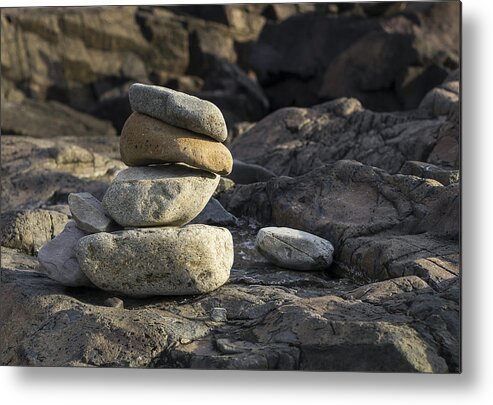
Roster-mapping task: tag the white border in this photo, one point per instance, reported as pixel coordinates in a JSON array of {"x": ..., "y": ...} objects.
[{"x": 474, "y": 386}]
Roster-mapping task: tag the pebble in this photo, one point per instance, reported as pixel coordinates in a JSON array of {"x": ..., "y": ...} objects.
[{"x": 293, "y": 249}]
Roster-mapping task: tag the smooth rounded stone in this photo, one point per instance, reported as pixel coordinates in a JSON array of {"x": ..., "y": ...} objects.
[
  {"x": 58, "y": 260},
  {"x": 88, "y": 213},
  {"x": 158, "y": 261},
  {"x": 146, "y": 140},
  {"x": 159, "y": 195},
  {"x": 179, "y": 109},
  {"x": 294, "y": 249}
]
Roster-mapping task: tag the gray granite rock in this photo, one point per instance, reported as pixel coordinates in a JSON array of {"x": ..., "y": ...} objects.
[
  {"x": 29, "y": 229},
  {"x": 159, "y": 195},
  {"x": 158, "y": 261},
  {"x": 179, "y": 109},
  {"x": 58, "y": 260},
  {"x": 247, "y": 173},
  {"x": 88, "y": 213},
  {"x": 294, "y": 249},
  {"x": 215, "y": 214}
]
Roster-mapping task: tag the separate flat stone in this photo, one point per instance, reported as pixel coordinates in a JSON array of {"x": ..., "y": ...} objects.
[
  {"x": 179, "y": 109},
  {"x": 58, "y": 260},
  {"x": 158, "y": 261},
  {"x": 88, "y": 213},
  {"x": 294, "y": 249},
  {"x": 159, "y": 195},
  {"x": 146, "y": 140}
]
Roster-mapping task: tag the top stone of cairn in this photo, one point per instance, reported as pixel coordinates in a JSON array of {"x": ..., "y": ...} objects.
[{"x": 179, "y": 109}]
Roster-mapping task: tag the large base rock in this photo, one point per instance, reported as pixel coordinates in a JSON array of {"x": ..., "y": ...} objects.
[
  {"x": 161, "y": 195},
  {"x": 158, "y": 261}
]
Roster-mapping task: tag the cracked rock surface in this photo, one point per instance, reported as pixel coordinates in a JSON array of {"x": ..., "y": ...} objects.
[{"x": 381, "y": 187}]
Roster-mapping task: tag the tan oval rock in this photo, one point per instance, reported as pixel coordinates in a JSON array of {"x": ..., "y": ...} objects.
[
  {"x": 146, "y": 140},
  {"x": 143, "y": 262}
]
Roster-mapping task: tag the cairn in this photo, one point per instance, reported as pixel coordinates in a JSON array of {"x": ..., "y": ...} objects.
[{"x": 137, "y": 241}]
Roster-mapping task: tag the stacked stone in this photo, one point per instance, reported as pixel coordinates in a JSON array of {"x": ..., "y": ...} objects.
[{"x": 173, "y": 145}]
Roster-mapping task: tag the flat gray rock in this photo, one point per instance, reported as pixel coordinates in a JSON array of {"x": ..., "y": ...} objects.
[
  {"x": 88, "y": 213},
  {"x": 58, "y": 260},
  {"x": 294, "y": 249},
  {"x": 158, "y": 261},
  {"x": 215, "y": 214},
  {"x": 179, "y": 109},
  {"x": 159, "y": 195}
]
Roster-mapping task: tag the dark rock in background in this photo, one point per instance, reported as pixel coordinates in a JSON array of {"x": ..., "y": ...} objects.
[{"x": 249, "y": 59}]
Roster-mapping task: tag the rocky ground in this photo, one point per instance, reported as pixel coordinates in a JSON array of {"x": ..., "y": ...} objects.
[{"x": 375, "y": 172}]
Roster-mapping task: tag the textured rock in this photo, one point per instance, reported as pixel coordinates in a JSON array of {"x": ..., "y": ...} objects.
[
  {"x": 215, "y": 214},
  {"x": 58, "y": 260},
  {"x": 276, "y": 319},
  {"x": 159, "y": 195},
  {"x": 294, "y": 249},
  {"x": 293, "y": 141},
  {"x": 146, "y": 140},
  {"x": 413, "y": 227},
  {"x": 50, "y": 119},
  {"x": 159, "y": 261},
  {"x": 28, "y": 230},
  {"x": 45, "y": 171},
  {"x": 179, "y": 109},
  {"x": 88, "y": 213},
  {"x": 353, "y": 56},
  {"x": 246, "y": 173},
  {"x": 429, "y": 171}
]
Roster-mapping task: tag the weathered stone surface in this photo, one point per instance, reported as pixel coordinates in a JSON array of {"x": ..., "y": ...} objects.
[
  {"x": 28, "y": 230},
  {"x": 215, "y": 214},
  {"x": 353, "y": 56},
  {"x": 58, "y": 260},
  {"x": 444, "y": 99},
  {"x": 429, "y": 171},
  {"x": 246, "y": 173},
  {"x": 293, "y": 141},
  {"x": 294, "y": 249},
  {"x": 285, "y": 320},
  {"x": 50, "y": 119},
  {"x": 146, "y": 140},
  {"x": 159, "y": 195},
  {"x": 88, "y": 213},
  {"x": 179, "y": 109},
  {"x": 412, "y": 228},
  {"x": 44, "y": 171},
  {"x": 159, "y": 261}
]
